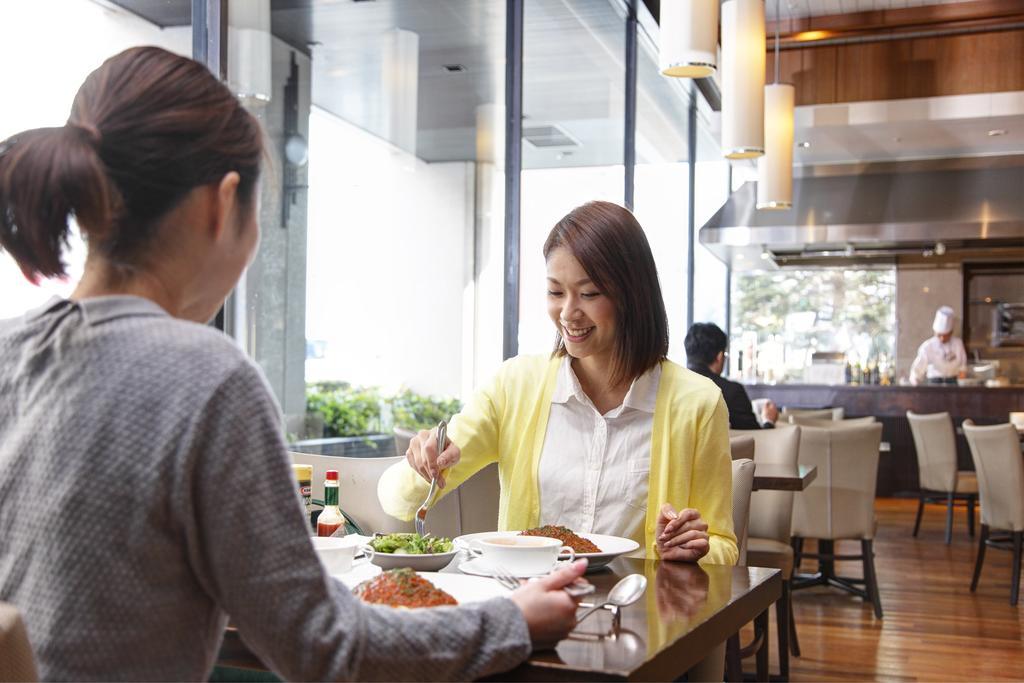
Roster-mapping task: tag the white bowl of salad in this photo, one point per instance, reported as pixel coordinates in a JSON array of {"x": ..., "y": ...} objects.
[{"x": 420, "y": 553}]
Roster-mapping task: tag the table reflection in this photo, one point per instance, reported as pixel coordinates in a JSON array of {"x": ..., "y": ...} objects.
[{"x": 680, "y": 589}]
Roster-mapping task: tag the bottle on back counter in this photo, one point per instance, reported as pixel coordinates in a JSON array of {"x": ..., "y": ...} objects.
[{"x": 331, "y": 518}]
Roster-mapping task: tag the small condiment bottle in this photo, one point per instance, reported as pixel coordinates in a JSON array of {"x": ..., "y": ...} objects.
[
  {"x": 304, "y": 479},
  {"x": 331, "y": 518}
]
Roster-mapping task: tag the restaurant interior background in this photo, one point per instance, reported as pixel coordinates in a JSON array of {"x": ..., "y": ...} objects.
[{"x": 379, "y": 293}]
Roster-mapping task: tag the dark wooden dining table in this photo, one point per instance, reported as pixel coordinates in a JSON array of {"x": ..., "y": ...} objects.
[
  {"x": 687, "y": 610},
  {"x": 782, "y": 477}
]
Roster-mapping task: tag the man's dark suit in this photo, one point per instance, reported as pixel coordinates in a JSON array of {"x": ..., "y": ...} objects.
[{"x": 741, "y": 412}]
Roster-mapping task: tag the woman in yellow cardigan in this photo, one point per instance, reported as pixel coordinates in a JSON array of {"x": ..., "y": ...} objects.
[{"x": 605, "y": 435}]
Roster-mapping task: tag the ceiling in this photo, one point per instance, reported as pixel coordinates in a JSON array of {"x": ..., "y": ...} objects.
[
  {"x": 574, "y": 52},
  {"x": 794, "y": 9}
]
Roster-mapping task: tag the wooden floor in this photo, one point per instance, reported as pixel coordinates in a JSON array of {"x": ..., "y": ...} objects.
[{"x": 934, "y": 628}]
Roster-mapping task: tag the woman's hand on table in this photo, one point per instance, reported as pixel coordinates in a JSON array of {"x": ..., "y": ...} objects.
[
  {"x": 423, "y": 457},
  {"x": 681, "y": 536},
  {"x": 549, "y": 611}
]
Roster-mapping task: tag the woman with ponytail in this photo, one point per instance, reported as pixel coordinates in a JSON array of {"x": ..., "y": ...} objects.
[{"x": 145, "y": 489}]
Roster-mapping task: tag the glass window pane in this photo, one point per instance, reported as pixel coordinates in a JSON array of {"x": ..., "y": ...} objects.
[
  {"x": 380, "y": 266},
  {"x": 47, "y": 48},
  {"x": 572, "y": 143},
  {"x": 781, "y": 318},
  {"x": 661, "y": 178}
]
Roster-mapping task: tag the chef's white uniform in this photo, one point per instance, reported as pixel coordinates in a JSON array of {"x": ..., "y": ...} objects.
[{"x": 937, "y": 360}]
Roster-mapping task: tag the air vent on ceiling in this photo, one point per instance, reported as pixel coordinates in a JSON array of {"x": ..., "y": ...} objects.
[{"x": 548, "y": 136}]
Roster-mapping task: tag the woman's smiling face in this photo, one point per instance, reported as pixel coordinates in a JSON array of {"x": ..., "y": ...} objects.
[{"x": 583, "y": 314}]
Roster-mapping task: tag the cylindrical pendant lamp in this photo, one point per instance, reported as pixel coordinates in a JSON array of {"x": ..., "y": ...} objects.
[
  {"x": 688, "y": 38},
  {"x": 743, "y": 64},
  {"x": 775, "y": 168}
]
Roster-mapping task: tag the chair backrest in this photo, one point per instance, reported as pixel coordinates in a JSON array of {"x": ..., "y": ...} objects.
[
  {"x": 771, "y": 511},
  {"x": 742, "y": 481},
  {"x": 468, "y": 509},
  {"x": 478, "y": 501},
  {"x": 936, "y": 450},
  {"x": 1000, "y": 467},
  {"x": 741, "y": 447},
  {"x": 402, "y": 439},
  {"x": 787, "y": 414},
  {"x": 840, "y": 502},
  {"x": 829, "y": 424},
  {"x": 16, "y": 660}
]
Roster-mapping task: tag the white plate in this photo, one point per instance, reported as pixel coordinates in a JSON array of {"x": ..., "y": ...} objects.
[
  {"x": 463, "y": 588},
  {"x": 611, "y": 546}
]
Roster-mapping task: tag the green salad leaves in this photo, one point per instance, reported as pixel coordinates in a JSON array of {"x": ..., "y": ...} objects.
[{"x": 410, "y": 544}]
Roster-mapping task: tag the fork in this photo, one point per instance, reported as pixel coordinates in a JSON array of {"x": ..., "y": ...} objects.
[
  {"x": 506, "y": 579},
  {"x": 503, "y": 576},
  {"x": 421, "y": 514}
]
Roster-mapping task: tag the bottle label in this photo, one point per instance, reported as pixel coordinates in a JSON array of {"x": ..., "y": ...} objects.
[{"x": 327, "y": 528}]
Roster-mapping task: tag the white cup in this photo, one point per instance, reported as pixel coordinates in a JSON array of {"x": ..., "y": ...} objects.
[
  {"x": 336, "y": 554},
  {"x": 523, "y": 555},
  {"x": 1017, "y": 419}
]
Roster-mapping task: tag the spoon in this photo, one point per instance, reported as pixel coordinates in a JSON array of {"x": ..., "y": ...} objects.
[
  {"x": 627, "y": 591},
  {"x": 421, "y": 513}
]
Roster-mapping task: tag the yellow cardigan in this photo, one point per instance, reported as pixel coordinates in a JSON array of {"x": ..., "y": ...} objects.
[{"x": 506, "y": 423}]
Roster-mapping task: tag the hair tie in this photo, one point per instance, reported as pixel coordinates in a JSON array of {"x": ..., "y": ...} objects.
[{"x": 91, "y": 132}]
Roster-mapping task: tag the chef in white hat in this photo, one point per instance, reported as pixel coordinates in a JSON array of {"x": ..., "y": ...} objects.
[{"x": 940, "y": 359}]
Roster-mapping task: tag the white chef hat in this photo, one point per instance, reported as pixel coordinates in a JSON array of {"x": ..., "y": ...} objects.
[{"x": 943, "y": 323}]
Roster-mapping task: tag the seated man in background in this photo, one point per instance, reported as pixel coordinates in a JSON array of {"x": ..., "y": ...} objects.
[{"x": 705, "y": 354}]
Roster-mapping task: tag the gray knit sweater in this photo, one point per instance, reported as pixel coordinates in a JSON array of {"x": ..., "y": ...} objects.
[{"x": 146, "y": 493}]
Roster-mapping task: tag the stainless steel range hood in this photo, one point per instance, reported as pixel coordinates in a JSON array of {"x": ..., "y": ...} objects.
[{"x": 874, "y": 217}]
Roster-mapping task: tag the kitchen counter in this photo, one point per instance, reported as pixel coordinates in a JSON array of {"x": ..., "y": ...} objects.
[{"x": 897, "y": 469}]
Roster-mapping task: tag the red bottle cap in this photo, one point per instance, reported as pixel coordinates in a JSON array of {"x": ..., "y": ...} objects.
[{"x": 332, "y": 475}]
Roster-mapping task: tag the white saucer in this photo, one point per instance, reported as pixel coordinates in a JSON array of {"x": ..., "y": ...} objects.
[{"x": 479, "y": 567}]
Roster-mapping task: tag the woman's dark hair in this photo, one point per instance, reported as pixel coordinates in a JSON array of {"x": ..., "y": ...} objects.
[
  {"x": 146, "y": 127},
  {"x": 612, "y": 248},
  {"x": 703, "y": 343}
]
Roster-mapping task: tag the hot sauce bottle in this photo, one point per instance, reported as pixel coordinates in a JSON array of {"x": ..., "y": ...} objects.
[{"x": 331, "y": 518}]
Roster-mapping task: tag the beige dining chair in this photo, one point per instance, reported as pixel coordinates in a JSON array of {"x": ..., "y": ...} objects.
[
  {"x": 839, "y": 505},
  {"x": 768, "y": 535},
  {"x": 787, "y": 414},
  {"x": 805, "y": 421},
  {"x": 471, "y": 508},
  {"x": 742, "y": 482},
  {"x": 402, "y": 439},
  {"x": 938, "y": 478},
  {"x": 741, "y": 447},
  {"x": 17, "y": 662},
  {"x": 1000, "y": 467}
]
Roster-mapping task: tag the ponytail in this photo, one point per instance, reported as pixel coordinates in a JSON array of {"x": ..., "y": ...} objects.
[
  {"x": 47, "y": 175},
  {"x": 145, "y": 128}
]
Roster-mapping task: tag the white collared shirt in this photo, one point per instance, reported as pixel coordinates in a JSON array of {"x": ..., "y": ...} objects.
[{"x": 594, "y": 468}]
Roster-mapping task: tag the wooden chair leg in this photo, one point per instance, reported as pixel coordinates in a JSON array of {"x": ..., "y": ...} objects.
[
  {"x": 949, "y": 518},
  {"x": 970, "y": 515},
  {"x": 794, "y": 642},
  {"x": 920, "y": 511},
  {"x": 733, "y": 663},
  {"x": 782, "y": 614},
  {"x": 982, "y": 542},
  {"x": 870, "y": 578},
  {"x": 1018, "y": 545},
  {"x": 761, "y": 627}
]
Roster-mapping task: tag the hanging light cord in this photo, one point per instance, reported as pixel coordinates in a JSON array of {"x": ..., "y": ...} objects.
[{"x": 778, "y": 18}]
